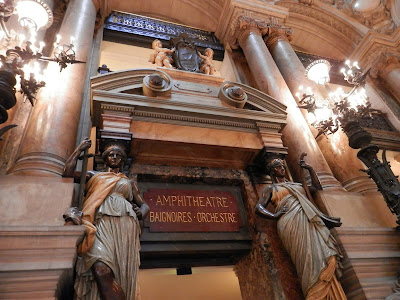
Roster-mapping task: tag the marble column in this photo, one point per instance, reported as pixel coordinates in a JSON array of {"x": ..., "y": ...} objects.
[
  {"x": 341, "y": 158},
  {"x": 386, "y": 66},
  {"x": 51, "y": 132},
  {"x": 296, "y": 134}
]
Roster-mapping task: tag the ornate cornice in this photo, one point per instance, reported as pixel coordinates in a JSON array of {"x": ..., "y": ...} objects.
[{"x": 187, "y": 114}]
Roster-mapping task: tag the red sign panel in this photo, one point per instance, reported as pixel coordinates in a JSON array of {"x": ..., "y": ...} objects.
[{"x": 174, "y": 210}]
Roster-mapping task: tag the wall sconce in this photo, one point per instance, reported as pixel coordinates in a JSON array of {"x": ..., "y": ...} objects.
[{"x": 21, "y": 61}]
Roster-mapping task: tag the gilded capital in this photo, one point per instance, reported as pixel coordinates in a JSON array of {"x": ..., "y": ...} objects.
[
  {"x": 383, "y": 62},
  {"x": 276, "y": 33}
]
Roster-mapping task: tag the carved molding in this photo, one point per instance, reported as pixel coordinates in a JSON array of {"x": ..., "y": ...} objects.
[
  {"x": 125, "y": 80},
  {"x": 374, "y": 43},
  {"x": 383, "y": 61},
  {"x": 236, "y": 11},
  {"x": 320, "y": 13},
  {"x": 371, "y": 260},
  {"x": 34, "y": 257},
  {"x": 145, "y": 109}
]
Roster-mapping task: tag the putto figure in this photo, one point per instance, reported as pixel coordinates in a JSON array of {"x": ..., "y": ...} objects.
[
  {"x": 304, "y": 232},
  {"x": 161, "y": 56},
  {"x": 108, "y": 257},
  {"x": 207, "y": 65}
]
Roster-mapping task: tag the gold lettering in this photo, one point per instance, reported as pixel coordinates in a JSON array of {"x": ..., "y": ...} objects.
[
  {"x": 201, "y": 201},
  {"x": 232, "y": 217},
  {"x": 179, "y": 216},
  {"x": 213, "y": 201},
  {"x": 189, "y": 217},
  {"x": 173, "y": 200},
  {"x": 181, "y": 200},
  {"x": 190, "y": 202},
  {"x": 196, "y": 201},
  {"x": 166, "y": 199},
  {"x": 208, "y": 202},
  {"x": 151, "y": 216},
  {"x": 159, "y": 200},
  {"x": 219, "y": 202},
  {"x": 224, "y": 201}
]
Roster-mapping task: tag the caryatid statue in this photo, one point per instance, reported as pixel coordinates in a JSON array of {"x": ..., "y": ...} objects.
[
  {"x": 304, "y": 232},
  {"x": 108, "y": 257}
]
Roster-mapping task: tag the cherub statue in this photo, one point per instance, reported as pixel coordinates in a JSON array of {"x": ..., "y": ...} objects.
[
  {"x": 161, "y": 56},
  {"x": 207, "y": 66}
]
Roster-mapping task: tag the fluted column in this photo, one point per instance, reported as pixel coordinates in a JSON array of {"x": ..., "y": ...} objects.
[
  {"x": 386, "y": 65},
  {"x": 51, "y": 133},
  {"x": 341, "y": 158},
  {"x": 296, "y": 134}
]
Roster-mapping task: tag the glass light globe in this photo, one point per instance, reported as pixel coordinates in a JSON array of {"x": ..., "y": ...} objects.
[
  {"x": 34, "y": 14},
  {"x": 318, "y": 71}
]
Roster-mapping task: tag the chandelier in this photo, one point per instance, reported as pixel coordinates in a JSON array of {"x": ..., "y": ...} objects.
[
  {"x": 340, "y": 108},
  {"x": 21, "y": 58},
  {"x": 347, "y": 110}
]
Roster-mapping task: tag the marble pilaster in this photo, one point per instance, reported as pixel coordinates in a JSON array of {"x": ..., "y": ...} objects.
[{"x": 51, "y": 132}]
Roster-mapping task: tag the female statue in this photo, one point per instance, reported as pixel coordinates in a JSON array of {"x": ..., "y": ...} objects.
[
  {"x": 304, "y": 235},
  {"x": 108, "y": 257}
]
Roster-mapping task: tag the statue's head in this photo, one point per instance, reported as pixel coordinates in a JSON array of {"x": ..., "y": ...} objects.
[
  {"x": 114, "y": 155},
  {"x": 156, "y": 43},
  {"x": 209, "y": 52},
  {"x": 275, "y": 168}
]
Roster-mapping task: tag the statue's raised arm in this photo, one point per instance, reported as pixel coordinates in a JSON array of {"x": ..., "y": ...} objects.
[
  {"x": 304, "y": 235},
  {"x": 111, "y": 212}
]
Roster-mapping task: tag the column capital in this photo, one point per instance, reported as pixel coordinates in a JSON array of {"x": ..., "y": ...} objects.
[
  {"x": 276, "y": 33},
  {"x": 384, "y": 61},
  {"x": 247, "y": 25},
  {"x": 259, "y": 11}
]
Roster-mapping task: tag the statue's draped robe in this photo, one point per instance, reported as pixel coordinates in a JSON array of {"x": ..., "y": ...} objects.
[
  {"x": 112, "y": 235},
  {"x": 308, "y": 241}
]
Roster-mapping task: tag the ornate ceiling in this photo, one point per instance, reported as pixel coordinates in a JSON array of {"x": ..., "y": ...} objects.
[{"x": 329, "y": 28}]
